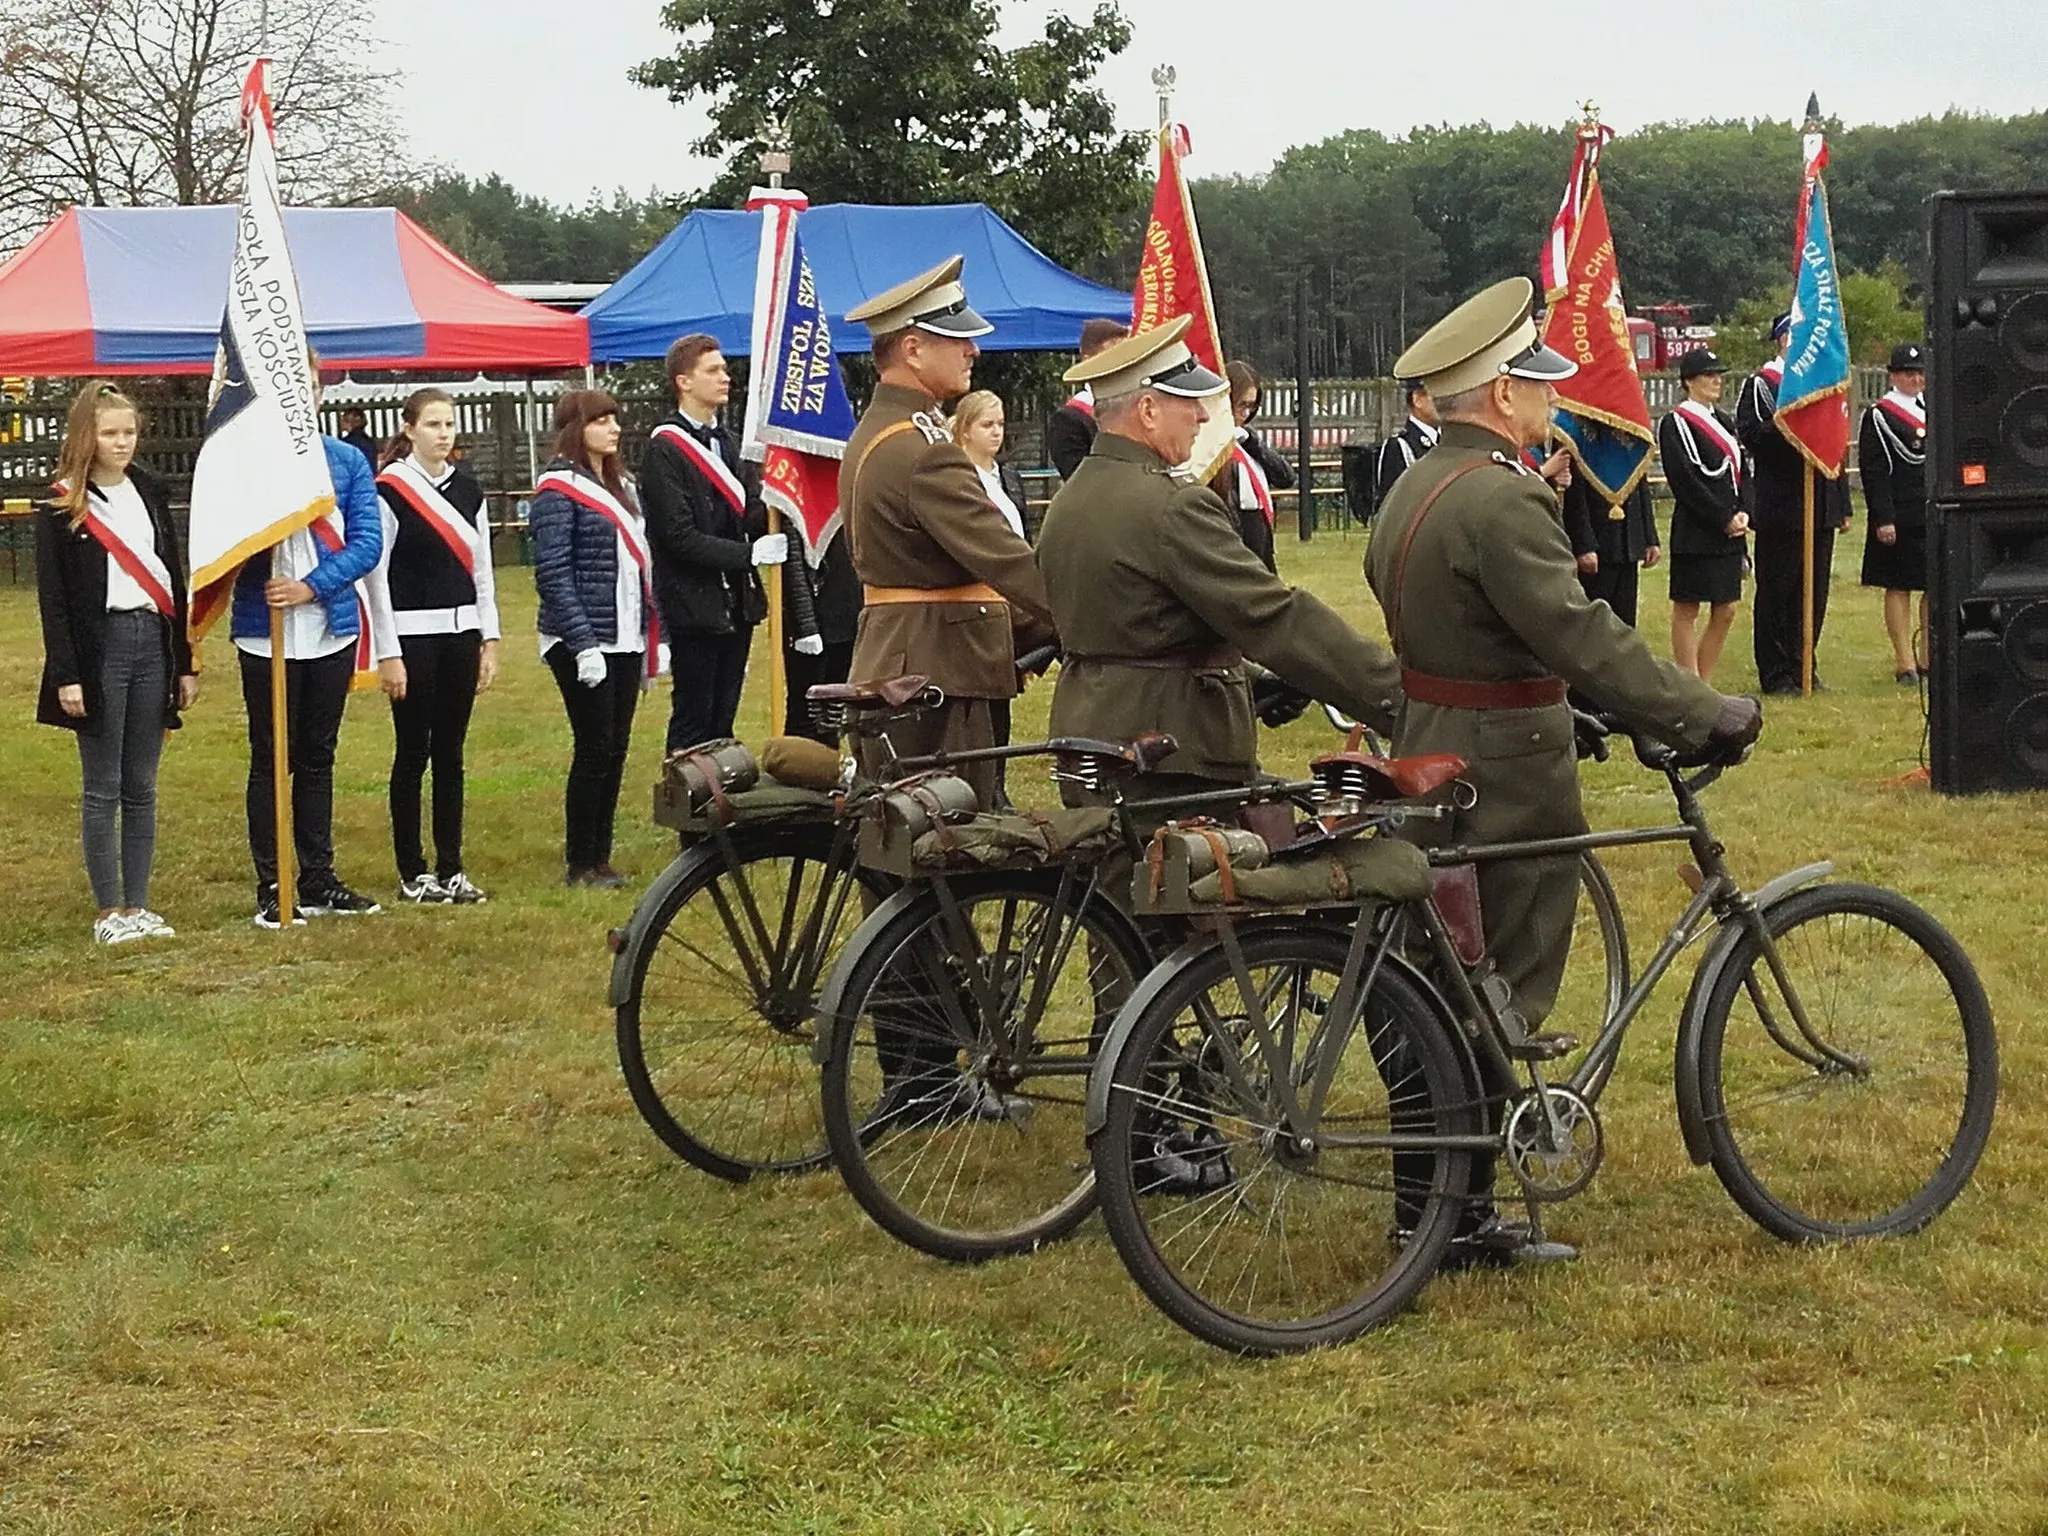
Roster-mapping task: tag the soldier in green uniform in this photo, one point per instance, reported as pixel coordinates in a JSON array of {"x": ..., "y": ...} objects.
[
  {"x": 1472, "y": 565},
  {"x": 1471, "y": 562},
  {"x": 948, "y": 590},
  {"x": 1158, "y": 601}
]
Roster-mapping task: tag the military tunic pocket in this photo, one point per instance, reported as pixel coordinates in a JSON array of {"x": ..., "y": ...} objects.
[{"x": 1525, "y": 732}]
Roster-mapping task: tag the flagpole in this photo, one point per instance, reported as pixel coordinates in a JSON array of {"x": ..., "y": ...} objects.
[
  {"x": 1809, "y": 137},
  {"x": 774, "y": 163},
  {"x": 281, "y": 760}
]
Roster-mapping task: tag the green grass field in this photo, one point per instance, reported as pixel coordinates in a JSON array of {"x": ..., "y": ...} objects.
[{"x": 355, "y": 1230}]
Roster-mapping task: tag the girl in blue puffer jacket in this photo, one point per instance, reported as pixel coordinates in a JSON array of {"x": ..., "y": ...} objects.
[{"x": 599, "y": 633}]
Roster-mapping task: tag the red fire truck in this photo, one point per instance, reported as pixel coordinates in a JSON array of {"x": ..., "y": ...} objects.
[{"x": 1663, "y": 333}]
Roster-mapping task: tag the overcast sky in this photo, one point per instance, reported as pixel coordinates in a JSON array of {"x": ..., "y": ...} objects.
[{"x": 540, "y": 95}]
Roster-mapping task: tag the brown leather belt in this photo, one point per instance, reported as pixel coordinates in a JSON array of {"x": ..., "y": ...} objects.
[
  {"x": 972, "y": 592},
  {"x": 1194, "y": 658},
  {"x": 1457, "y": 693}
]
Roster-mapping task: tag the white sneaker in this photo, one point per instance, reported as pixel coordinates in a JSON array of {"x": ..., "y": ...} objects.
[
  {"x": 424, "y": 889},
  {"x": 115, "y": 928},
  {"x": 150, "y": 925},
  {"x": 460, "y": 891}
]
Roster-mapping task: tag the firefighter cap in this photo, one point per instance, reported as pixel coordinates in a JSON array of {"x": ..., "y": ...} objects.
[
  {"x": 1489, "y": 336},
  {"x": 1155, "y": 359},
  {"x": 933, "y": 301}
]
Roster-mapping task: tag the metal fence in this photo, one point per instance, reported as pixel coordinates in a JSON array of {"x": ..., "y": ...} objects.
[{"x": 505, "y": 439}]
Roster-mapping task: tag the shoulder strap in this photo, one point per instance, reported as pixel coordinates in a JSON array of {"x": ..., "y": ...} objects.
[
  {"x": 867, "y": 453},
  {"x": 1399, "y": 576}
]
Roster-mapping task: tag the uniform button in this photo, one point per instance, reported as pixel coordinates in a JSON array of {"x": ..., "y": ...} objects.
[
  {"x": 1535, "y": 735},
  {"x": 982, "y": 609}
]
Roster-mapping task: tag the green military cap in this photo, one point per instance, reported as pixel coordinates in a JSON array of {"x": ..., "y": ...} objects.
[
  {"x": 932, "y": 301},
  {"x": 1155, "y": 359},
  {"x": 1489, "y": 335}
]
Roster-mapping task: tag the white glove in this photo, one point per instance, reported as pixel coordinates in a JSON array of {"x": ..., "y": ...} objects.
[
  {"x": 590, "y": 667},
  {"x": 662, "y": 658},
  {"x": 809, "y": 645},
  {"x": 771, "y": 549}
]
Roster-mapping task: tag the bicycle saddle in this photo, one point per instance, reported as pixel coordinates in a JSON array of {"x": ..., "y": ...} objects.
[
  {"x": 1141, "y": 753},
  {"x": 1393, "y": 778},
  {"x": 888, "y": 693}
]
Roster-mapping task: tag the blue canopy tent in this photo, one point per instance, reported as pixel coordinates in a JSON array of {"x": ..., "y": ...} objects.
[{"x": 701, "y": 278}]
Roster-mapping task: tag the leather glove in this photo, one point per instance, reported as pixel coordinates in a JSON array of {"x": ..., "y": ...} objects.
[
  {"x": 590, "y": 667},
  {"x": 1736, "y": 728},
  {"x": 808, "y": 645},
  {"x": 771, "y": 549}
]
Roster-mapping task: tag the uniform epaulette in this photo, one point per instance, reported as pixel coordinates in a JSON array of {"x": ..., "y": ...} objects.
[
  {"x": 933, "y": 429},
  {"x": 1515, "y": 464}
]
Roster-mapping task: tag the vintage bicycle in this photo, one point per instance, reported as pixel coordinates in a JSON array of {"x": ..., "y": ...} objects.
[{"x": 1347, "y": 1080}]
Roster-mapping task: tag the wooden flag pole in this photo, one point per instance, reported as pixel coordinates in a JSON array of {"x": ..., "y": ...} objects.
[
  {"x": 281, "y": 763},
  {"x": 778, "y": 661},
  {"x": 1806, "y": 586}
]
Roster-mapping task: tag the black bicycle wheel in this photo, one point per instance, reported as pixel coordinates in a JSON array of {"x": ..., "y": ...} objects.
[
  {"x": 715, "y": 1034},
  {"x": 1869, "y": 1120},
  {"x": 961, "y": 1035},
  {"x": 1282, "y": 1246}
]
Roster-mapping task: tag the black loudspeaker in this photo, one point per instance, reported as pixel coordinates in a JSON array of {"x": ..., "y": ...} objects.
[
  {"x": 1987, "y": 614},
  {"x": 1987, "y": 320}
]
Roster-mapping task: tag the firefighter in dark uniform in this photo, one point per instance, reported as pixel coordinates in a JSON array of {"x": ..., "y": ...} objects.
[
  {"x": 1892, "y": 455},
  {"x": 1611, "y": 541},
  {"x": 948, "y": 591},
  {"x": 1709, "y": 528},
  {"x": 1777, "y": 517},
  {"x": 1471, "y": 563},
  {"x": 1158, "y": 601}
]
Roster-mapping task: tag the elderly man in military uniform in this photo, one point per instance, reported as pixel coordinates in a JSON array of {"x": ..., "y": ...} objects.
[
  {"x": 948, "y": 589},
  {"x": 1158, "y": 601},
  {"x": 1479, "y": 583}
]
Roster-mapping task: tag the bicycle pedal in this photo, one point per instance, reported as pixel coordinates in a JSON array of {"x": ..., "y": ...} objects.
[{"x": 1543, "y": 1047}]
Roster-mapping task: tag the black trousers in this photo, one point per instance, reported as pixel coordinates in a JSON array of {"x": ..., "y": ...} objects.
[
  {"x": 601, "y": 720},
  {"x": 1779, "y": 602},
  {"x": 430, "y": 724},
  {"x": 805, "y": 672},
  {"x": 316, "y": 692},
  {"x": 708, "y": 671},
  {"x": 1614, "y": 584}
]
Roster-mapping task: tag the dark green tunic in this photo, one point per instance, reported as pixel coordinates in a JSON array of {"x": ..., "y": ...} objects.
[
  {"x": 1491, "y": 594},
  {"x": 1139, "y": 566}
]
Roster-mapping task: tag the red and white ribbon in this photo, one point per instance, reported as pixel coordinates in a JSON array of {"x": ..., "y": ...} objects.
[
  {"x": 435, "y": 510},
  {"x": 1701, "y": 419},
  {"x": 592, "y": 495},
  {"x": 722, "y": 479}
]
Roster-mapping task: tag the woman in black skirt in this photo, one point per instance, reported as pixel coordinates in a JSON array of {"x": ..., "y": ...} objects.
[
  {"x": 1703, "y": 464},
  {"x": 1892, "y": 454}
]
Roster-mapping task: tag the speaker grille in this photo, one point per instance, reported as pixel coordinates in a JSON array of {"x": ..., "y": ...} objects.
[
  {"x": 2026, "y": 738},
  {"x": 2023, "y": 333}
]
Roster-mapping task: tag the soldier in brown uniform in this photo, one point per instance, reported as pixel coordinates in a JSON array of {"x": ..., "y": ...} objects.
[
  {"x": 949, "y": 590},
  {"x": 1471, "y": 563},
  {"x": 1159, "y": 602}
]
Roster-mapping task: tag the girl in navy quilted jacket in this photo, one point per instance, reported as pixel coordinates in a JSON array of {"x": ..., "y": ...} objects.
[{"x": 599, "y": 632}]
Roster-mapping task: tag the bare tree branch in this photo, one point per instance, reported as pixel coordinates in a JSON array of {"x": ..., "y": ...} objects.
[{"x": 137, "y": 102}]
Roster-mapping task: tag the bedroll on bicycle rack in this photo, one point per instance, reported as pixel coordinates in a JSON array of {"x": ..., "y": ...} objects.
[{"x": 1195, "y": 868}]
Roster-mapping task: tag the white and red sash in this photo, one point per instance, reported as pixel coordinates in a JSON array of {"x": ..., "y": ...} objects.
[
  {"x": 1255, "y": 476},
  {"x": 330, "y": 533},
  {"x": 142, "y": 565},
  {"x": 1702, "y": 420},
  {"x": 435, "y": 510},
  {"x": 593, "y": 496},
  {"x": 1085, "y": 404},
  {"x": 722, "y": 479},
  {"x": 1773, "y": 374},
  {"x": 1909, "y": 413}
]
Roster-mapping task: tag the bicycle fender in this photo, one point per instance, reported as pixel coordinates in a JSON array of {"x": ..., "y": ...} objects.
[
  {"x": 831, "y": 998},
  {"x": 640, "y": 926},
  {"x": 1692, "y": 1115}
]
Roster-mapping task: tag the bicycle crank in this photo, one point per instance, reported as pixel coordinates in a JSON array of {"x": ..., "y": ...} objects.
[{"x": 1554, "y": 1154}]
